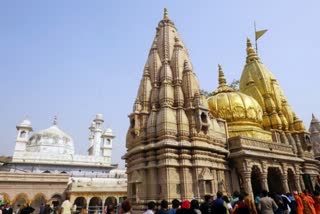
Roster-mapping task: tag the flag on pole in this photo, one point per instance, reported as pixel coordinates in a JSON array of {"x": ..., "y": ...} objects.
[{"x": 260, "y": 33}]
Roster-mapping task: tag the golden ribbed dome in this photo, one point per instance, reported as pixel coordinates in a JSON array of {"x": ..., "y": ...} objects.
[{"x": 233, "y": 106}]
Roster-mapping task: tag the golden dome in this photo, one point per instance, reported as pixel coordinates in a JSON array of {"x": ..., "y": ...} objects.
[{"x": 233, "y": 106}]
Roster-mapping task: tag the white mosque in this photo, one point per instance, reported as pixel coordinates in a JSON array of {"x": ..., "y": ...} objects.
[{"x": 44, "y": 167}]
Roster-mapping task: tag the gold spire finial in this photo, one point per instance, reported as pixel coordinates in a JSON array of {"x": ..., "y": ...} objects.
[
  {"x": 251, "y": 54},
  {"x": 249, "y": 45},
  {"x": 165, "y": 14},
  {"x": 55, "y": 120},
  {"x": 222, "y": 78}
]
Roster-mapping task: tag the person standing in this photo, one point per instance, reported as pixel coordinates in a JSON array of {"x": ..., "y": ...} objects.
[
  {"x": 7, "y": 209},
  {"x": 175, "y": 205},
  {"x": 151, "y": 205},
  {"x": 266, "y": 204},
  {"x": 298, "y": 199},
  {"x": 308, "y": 203},
  {"x": 66, "y": 206},
  {"x": 317, "y": 202},
  {"x": 41, "y": 208},
  {"x": 250, "y": 204},
  {"x": 125, "y": 207},
  {"x": 163, "y": 207},
  {"x": 195, "y": 206},
  {"x": 240, "y": 207},
  {"x": 205, "y": 207},
  {"x": 219, "y": 205}
]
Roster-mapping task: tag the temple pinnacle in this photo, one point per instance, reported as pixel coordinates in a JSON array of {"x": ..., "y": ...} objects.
[
  {"x": 251, "y": 54},
  {"x": 165, "y": 14},
  {"x": 222, "y": 78}
]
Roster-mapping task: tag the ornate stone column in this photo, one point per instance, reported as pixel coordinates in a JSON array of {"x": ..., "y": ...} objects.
[
  {"x": 284, "y": 181},
  {"x": 301, "y": 183},
  {"x": 297, "y": 182},
  {"x": 264, "y": 181},
  {"x": 247, "y": 181}
]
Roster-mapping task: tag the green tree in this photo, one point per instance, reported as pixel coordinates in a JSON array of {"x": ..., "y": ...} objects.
[{"x": 235, "y": 84}]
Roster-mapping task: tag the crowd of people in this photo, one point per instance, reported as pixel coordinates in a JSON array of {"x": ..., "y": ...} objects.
[
  {"x": 24, "y": 209},
  {"x": 239, "y": 203}
]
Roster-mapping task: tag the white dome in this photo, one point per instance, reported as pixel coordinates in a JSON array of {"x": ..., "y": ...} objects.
[
  {"x": 99, "y": 116},
  {"x": 51, "y": 140},
  {"x": 108, "y": 132},
  {"x": 25, "y": 123}
]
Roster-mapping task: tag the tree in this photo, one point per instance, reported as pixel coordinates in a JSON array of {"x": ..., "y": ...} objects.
[{"x": 235, "y": 84}]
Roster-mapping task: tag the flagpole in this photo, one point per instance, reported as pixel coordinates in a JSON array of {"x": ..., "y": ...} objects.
[{"x": 255, "y": 37}]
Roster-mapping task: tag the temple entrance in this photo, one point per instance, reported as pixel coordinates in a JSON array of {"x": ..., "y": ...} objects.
[
  {"x": 256, "y": 180},
  {"x": 39, "y": 200},
  {"x": 274, "y": 180},
  {"x": 95, "y": 205},
  {"x": 80, "y": 202},
  {"x": 110, "y": 200},
  {"x": 291, "y": 183},
  {"x": 307, "y": 182},
  {"x": 20, "y": 200}
]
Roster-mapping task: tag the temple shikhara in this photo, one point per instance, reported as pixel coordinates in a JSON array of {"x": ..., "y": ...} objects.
[{"x": 182, "y": 144}]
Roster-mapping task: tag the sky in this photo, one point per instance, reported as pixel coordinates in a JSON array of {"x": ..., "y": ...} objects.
[{"x": 77, "y": 58}]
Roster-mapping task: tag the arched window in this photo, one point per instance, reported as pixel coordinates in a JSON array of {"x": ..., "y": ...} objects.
[{"x": 23, "y": 134}]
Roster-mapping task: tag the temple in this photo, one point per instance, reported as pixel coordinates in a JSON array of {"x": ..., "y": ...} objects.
[{"x": 181, "y": 144}]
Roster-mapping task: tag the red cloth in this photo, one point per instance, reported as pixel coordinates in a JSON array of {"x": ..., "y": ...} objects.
[
  {"x": 299, "y": 204},
  {"x": 185, "y": 204},
  {"x": 310, "y": 202}
]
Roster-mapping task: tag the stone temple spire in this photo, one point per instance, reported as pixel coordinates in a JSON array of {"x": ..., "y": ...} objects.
[
  {"x": 172, "y": 123},
  {"x": 165, "y": 14}
]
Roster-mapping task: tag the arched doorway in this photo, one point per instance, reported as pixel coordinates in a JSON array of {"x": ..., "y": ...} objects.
[
  {"x": 291, "y": 182},
  {"x": 4, "y": 198},
  {"x": 110, "y": 201},
  {"x": 56, "y": 201},
  {"x": 256, "y": 180},
  {"x": 20, "y": 200},
  {"x": 37, "y": 201},
  {"x": 274, "y": 180},
  {"x": 95, "y": 205},
  {"x": 80, "y": 202}
]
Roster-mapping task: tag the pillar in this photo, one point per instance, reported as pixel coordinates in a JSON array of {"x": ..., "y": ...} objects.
[
  {"x": 264, "y": 181},
  {"x": 301, "y": 183},
  {"x": 297, "y": 182},
  {"x": 247, "y": 182},
  {"x": 284, "y": 181}
]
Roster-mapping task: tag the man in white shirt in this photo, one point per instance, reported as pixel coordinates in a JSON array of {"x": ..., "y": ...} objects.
[
  {"x": 151, "y": 205},
  {"x": 66, "y": 206}
]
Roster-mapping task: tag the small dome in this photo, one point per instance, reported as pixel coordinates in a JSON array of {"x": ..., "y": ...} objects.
[
  {"x": 108, "y": 132},
  {"x": 234, "y": 106},
  {"x": 99, "y": 116},
  {"x": 25, "y": 124},
  {"x": 51, "y": 140}
]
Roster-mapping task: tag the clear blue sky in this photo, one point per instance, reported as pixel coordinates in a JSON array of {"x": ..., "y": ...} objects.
[{"x": 76, "y": 58}]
